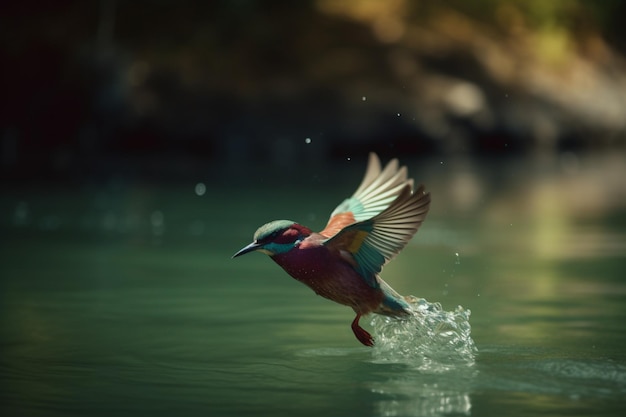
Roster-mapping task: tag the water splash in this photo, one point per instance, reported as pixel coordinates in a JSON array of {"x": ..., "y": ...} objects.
[{"x": 430, "y": 339}]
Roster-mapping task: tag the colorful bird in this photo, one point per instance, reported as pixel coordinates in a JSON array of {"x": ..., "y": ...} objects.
[{"x": 343, "y": 261}]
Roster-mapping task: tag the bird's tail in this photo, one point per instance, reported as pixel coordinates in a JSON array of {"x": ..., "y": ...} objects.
[{"x": 393, "y": 304}]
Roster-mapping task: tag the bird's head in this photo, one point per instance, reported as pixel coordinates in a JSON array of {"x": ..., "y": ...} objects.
[{"x": 273, "y": 238}]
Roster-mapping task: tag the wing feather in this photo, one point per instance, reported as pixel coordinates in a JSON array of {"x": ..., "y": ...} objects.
[
  {"x": 377, "y": 191},
  {"x": 375, "y": 241}
]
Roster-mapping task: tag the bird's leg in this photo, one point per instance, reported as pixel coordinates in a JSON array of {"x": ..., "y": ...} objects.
[{"x": 360, "y": 333}]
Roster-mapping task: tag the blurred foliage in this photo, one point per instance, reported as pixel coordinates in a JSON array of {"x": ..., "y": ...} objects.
[{"x": 89, "y": 80}]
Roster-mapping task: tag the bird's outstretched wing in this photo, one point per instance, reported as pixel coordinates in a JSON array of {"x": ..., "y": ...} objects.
[
  {"x": 378, "y": 189},
  {"x": 370, "y": 244}
]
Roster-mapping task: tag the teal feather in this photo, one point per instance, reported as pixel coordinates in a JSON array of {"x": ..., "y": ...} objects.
[
  {"x": 264, "y": 232},
  {"x": 374, "y": 242},
  {"x": 369, "y": 263},
  {"x": 377, "y": 190}
]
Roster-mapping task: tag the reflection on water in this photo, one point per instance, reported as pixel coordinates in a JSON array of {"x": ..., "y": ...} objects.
[
  {"x": 400, "y": 389},
  {"x": 411, "y": 393},
  {"x": 428, "y": 361},
  {"x": 436, "y": 348}
]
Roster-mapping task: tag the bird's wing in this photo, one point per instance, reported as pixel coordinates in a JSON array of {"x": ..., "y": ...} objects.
[
  {"x": 371, "y": 243},
  {"x": 378, "y": 189}
]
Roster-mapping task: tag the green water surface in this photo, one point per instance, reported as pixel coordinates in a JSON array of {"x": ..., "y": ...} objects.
[{"x": 120, "y": 297}]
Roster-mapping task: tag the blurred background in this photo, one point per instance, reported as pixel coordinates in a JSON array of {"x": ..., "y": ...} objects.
[
  {"x": 163, "y": 89},
  {"x": 143, "y": 141}
]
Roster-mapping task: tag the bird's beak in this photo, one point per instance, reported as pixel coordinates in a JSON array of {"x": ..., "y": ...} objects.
[{"x": 250, "y": 248}]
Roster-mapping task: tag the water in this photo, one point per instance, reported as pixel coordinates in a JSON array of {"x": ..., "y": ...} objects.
[
  {"x": 429, "y": 340},
  {"x": 121, "y": 298}
]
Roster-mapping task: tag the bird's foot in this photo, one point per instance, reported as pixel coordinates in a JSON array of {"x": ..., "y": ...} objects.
[{"x": 361, "y": 334}]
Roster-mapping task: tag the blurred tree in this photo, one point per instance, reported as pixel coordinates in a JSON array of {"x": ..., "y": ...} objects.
[{"x": 88, "y": 81}]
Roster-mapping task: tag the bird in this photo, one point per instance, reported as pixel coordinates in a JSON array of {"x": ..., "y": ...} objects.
[{"x": 343, "y": 261}]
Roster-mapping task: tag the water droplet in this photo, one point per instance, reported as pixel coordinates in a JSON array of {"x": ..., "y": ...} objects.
[
  {"x": 363, "y": 98},
  {"x": 441, "y": 162},
  {"x": 398, "y": 114},
  {"x": 200, "y": 189},
  {"x": 429, "y": 339},
  {"x": 307, "y": 140},
  {"x": 458, "y": 260}
]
